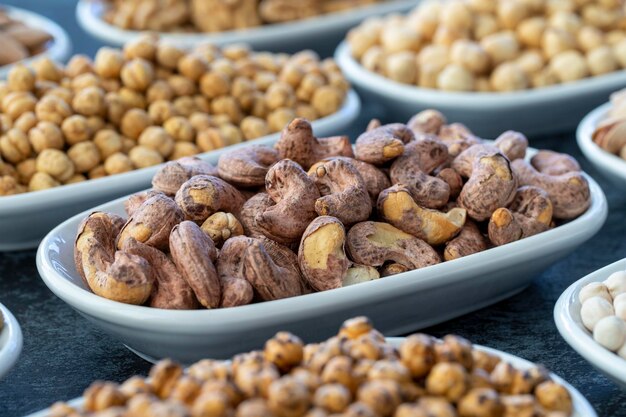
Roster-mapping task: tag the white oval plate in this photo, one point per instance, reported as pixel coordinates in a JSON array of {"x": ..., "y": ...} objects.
[
  {"x": 60, "y": 45},
  {"x": 26, "y": 218},
  {"x": 398, "y": 304},
  {"x": 10, "y": 341},
  {"x": 534, "y": 112},
  {"x": 612, "y": 167},
  {"x": 569, "y": 323},
  {"x": 315, "y": 33},
  {"x": 581, "y": 407}
]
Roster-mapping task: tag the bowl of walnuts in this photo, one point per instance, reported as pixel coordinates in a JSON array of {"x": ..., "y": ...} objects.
[{"x": 533, "y": 66}]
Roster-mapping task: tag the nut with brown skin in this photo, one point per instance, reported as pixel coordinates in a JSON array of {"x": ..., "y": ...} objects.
[
  {"x": 453, "y": 179},
  {"x": 298, "y": 143},
  {"x": 118, "y": 276},
  {"x": 397, "y": 207},
  {"x": 173, "y": 174},
  {"x": 321, "y": 255},
  {"x": 427, "y": 121},
  {"x": 469, "y": 241},
  {"x": 204, "y": 195},
  {"x": 258, "y": 203},
  {"x": 530, "y": 213},
  {"x": 152, "y": 222},
  {"x": 382, "y": 144},
  {"x": 134, "y": 201},
  {"x": 236, "y": 290},
  {"x": 569, "y": 192},
  {"x": 294, "y": 195},
  {"x": 222, "y": 226},
  {"x": 344, "y": 194},
  {"x": 373, "y": 244},
  {"x": 193, "y": 253},
  {"x": 417, "y": 353},
  {"x": 247, "y": 167},
  {"x": 388, "y": 270},
  {"x": 554, "y": 163},
  {"x": 512, "y": 144}
]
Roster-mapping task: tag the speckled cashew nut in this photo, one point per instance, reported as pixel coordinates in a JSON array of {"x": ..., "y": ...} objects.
[
  {"x": 373, "y": 244},
  {"x": 428, "y": 121},
  {"x": 152, "y": 222},
  {"x": 512, "y": 144},
  {"x": 343, "y": 190},
  {"x": 530, "y": 213},
  {"x": 294, "y": 195},
  {"x": 204, "y": 195},
  {"x": 468, "y": 242},
  {"x": 135, "y": 201},
  {"x": 298, "y": 143},
  {"x": 397, "y": 207},
  {"x": 412, "y": 169},
  {"x": 554, "y": 163},
  {"x": 236, "y": 290},
  {"x": 171, "y": 290},
  {"x": 193, "y": 253},
  {"x": 118, "y": 276},
  {"x": 173, "y": 174},
  {"x": 569, "y": 192},
  {"x": 248, "y": 166},
  {"x": 382, "y": 144},
  {"x": 322, "y": 256},
  {"x": 256, "y": 204}
]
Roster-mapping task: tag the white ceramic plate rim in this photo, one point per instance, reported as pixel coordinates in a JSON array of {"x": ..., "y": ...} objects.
[
  {"x": 185, "y": 321},
  {"x": 612, "y": 163},
  {"x": 360, "y": 76},
  {"x": 89, "y": 19},
  {"x": 10, "y": 351},
  {"x": 582, "y": 407},
  {"x": 575, "y": 333},
  {"x": 92, "y": 188},
  {"x": 61, "y": 44}
]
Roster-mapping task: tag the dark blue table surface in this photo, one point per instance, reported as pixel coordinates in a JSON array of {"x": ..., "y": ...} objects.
[{"x": 63, "y": 352}]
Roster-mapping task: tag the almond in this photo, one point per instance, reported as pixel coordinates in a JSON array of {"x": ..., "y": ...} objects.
[
  {"x": 11, "y": 50},
  {"x": 29, "y": 37}
]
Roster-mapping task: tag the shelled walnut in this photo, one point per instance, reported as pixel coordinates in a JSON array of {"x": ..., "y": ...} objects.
[
  {"x": 315, "y": 214},
  {"x": 148, "y": 103}
]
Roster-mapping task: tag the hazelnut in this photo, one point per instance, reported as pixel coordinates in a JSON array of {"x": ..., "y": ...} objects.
[
  {"x": 55, "y": 163},
  {"x": 84, "y": 155},
  {"x": 143, "y": 157},
  {"x": 75, "y": 129},
  {"x": 137, "y": 74},
  {"x": 108, "y": 62}
]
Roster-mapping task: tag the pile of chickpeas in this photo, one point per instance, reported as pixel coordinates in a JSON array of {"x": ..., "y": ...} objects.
[
  {"x": 494, "y": 45},
  {"x": 354, "y": 374},
  {"x": 148, "y": 103}
]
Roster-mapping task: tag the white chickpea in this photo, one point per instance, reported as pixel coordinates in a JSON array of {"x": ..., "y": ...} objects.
[
  {"x": 594, "y": 289},
  {"x": 400, "y": 38},
  {"x": 610, "y": 332},
  {"x": 619, "y": 50},
  {"x": 569, "y": 66},
  {"x": 589, "y": 37},
  {"x": 619, "y": 305},
  {"x": 501, "y": 46},
  {"x": 593, "y": 310},
  {"x": 455, "y": 78},
  {"x": 616, "y": 283},
  {"x": 484, "y": 25},
  {"x": 437, "y": 56},
  {"x": 446, "y": 36},
  {"x": 531, "y": 61},
  {"x": 555, "y": 41},
  {"x": 508, "y": 77},
  {"x": 470, "y": 55},
  {"x": 530, "y": 31},
  {"x": 360, "y": 40},
  {"x": 601, "y": 61},
  {"x": 402, "y": 67},
  {"x": 510, "y": 13},
  {"x": 456, "y": 14},
  {"x": 567, "y": 21}
]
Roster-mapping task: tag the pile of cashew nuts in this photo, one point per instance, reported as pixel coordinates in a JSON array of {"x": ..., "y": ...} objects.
[{"x": 314, "y": 214}]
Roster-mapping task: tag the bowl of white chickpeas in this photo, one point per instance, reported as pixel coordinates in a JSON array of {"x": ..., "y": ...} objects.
[
  {"x": 527, "y": 65},
  {"x": 591, "y": 317}
]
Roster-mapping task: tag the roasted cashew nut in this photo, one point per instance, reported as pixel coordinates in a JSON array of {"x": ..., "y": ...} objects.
[
  {"x": 256, "y": 204},
  {"x": 135, "y": 201},
  {"x": 554, "y": 163},
  {"x": 512, "y": 144},
  {"x": 221, "y": 226},
  {"x": 173, "y": 174},
  {"x": 247, "y": 166},
  {"x": 357, "y": 274},
  {"x": 298, "y": 143},
  {"x": 204, "y": 195},
  {"x": 236, "y": 290},
  {"x": 427, "y": 121},
  {"x": 382, "y": 144},
  {"x": 468, "y": 242}
]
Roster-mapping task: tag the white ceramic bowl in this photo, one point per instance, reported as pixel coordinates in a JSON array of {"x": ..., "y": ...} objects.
[
  {"x": 581, "y": 407},
  {"x": 569, "y": 323},
  {"x": 60, "y": 46},
  {"x": 26, "y": 218},
  {"x": 397, "y": 304},
  {"x": 10, "y": 341},
  {"x": 534, "y": 112},
  {"x": 321, "y": 33},
  {"x": 612, "y": 167}
]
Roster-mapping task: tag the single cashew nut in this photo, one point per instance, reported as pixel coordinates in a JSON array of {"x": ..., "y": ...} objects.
[
  {"x": 388, "y": 270},
  {"x": 382, "y": 144},
  {"x": 468, "y": 242},
  {"x": 173, "y": 174},
  {"x": 453, "y": 179},
  {"x": 554, "y": 163},
  {"x": 248, "y": 166},
  {"x": 256, "y": 204},
  {"x": 236, "y": 290},
  {"x": 427, "y": 121},
  {"x": 135, "y": 201},
  {"x": 204, "y": 195},
  {"x": 357, "y": 274},
  {"x": 512, "y": 144},
  {"x": 221, "y": 226}
]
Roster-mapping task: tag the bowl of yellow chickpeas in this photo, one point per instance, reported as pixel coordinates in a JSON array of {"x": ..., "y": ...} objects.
[{"x": 529, "y": 65}]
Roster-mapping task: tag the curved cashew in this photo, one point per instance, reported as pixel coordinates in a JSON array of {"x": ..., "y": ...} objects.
[
  {"x": 382, "y": 144},
  {"x": 193, "y": 253},
  {"x": 427, "y": 121},
  {"x": 357, "y": 274},
  {"x": 322, "y": 256},
  {"x": 569, "y": 192},
  {"x": 294, "y": 194},
  {"x": 221, "y": 226},
  {"x": 512, "y": 144},
  {"x": 469, "y": 241},
  {"x": 412, "y": 169},
  {"x": 453, "y": 179},
  {"x": 554, "y": 163},
  {"x": 343, "y": 190},
  {"x": 529, "y": 213},
  {"x": 170, "y": 291},
  {"x": 463, "y": 163},
  {"x": 298, "y": 143},
  {"x": 204, "y": 195},
  {"x": 373, "y": 244},
  {"x": 256, "y": 204},
  {"x": 173, "y": 174},
  {"x": 152, "y": 222},
  {"x": 397, "y": 207},
  {"x": 118, "y": 276},
  {"x": 236, "y": 290},
  {"x": 457, "y": 138},
  {"x": 388, "y": 270},
  {"x": 133, "y": 202},
  {"x": 247, "y": 166}
]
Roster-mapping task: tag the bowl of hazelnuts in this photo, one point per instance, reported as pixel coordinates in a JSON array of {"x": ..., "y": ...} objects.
[{"x": 532, "y": 66}]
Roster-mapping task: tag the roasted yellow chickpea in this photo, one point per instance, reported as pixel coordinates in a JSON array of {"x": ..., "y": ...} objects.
[
  {"x": 436, "y": 56},
  {"x": 531, "y": 61},
  {"x": 116, "y": 108},
  {"x": 193, "y": 66},
  {"x": 401, "y": 67},
  {"x": 76, "y": 129},
  {"x": 97, "y": 172},
  {"x": 143, "y": 157},
  {"x": 182, "y": 86},
  {"x": 501, "y": 46},
  {"x": 544, "y": 78},
  {"x": 15, "y": 146},
  {"x": 45, "y": 135},
  {"x": 209, "y": 139},
  {"x": 85, "y": 80},
  {"x": 159, "y": 90},
  {"x": 182, "y": 149},
  {"x": 85, "y": 156},
  {"x": 470, "y": 55},
  {"x": 510, "y": 13},
  {"x": 280, "y": 94},
  {"x": 77, "y": 65},
  {"x": 116, "y": 164},
  {"x": 619, "y": 51},
  {"x": 456, "y": 14},
  {"x": 554, "y": 397},
  {"x": 214, "y": 84},
  {"x": 449, "y": 380},
  {"x": 483, "y": 402},
  {"x": 108, "y": 62},
  {"x": 327, "y": 100},
  {"x": 17, "y": 103},
  {"x": 231, "y": 133},
  {"x": 137, "y": 74},
  {"x": 254, "y": 127},
  {"x": 556, "y": 41},
  {"x": 509, "y": 76},
  {"x": 180, "y": 129},
  {"x": 455, "y": 78},
  {"x": 89, "y": 102},
  {"x": 569, "y": 66},
  {"x": 132, "y": 98},
  {"x": 161, "y": 110},
  {"x": 21, "y": 78},
  {"x": 334, "y": 398},
  {"x": 373, "y": 59},
  {"x": 47, "y": 69},
  {"x": 599, "y": 16},
  {"x": 134, "y": 122},
  {"x": 168, "y": 55},
  {"x": 447, "y": 36},
  {"x": 484, "y": 25},
  {"x": 155, "y": 137},
  {"x": 52, "y": 109},
  {"x": 26, "y": 169},
  {"x": 108, "y": 142},
  {"x": 400, "y": 38},
  {"x": 55, "y": 163},
  {"x": 42, "y": 181},
  {"x": 143, "y": 47},
  {"x": 200, "y": 121},
  {"x": 530, "y": 31},
  {"x": 567, "y": 21},
  {"x": 306, "y": 111},
  {"x": 602, "y": 60},
  {"x": 76, "y": 178}
]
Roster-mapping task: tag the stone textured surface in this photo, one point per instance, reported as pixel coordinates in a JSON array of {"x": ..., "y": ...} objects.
[{"x": 63, "y": 352}]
